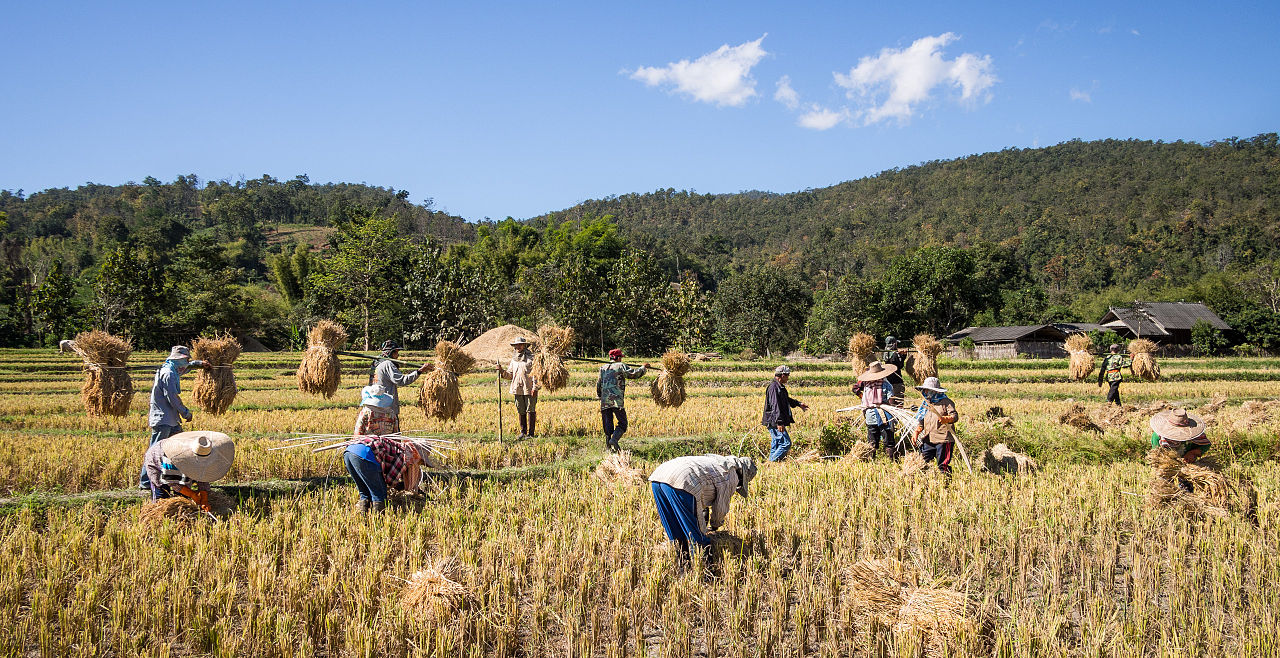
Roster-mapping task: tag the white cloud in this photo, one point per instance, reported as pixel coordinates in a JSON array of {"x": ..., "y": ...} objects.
[
  {"x": 1135, "y": 33},
  {"x": 821, "y": 118},
  {"x": 907, "y": 77},
  {"x": 722, "y": 77},
  {"x": 1079, "y": 95},
  {"x": 785, "y": 94}
]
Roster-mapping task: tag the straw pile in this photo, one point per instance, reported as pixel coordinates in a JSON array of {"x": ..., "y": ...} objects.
[
  {"x": 892, "y": 594},
  {"x": 810, "y": 456},
  {"x": 439, "y": 395},
  {"x": 494, "y": 345},
  {"x": 1000, "y": 459},
  {"x": 925, "y": 363},
  {"x": 554, "y": 344},
  {"x": 216, "y": 389},
  {"x": 667, "y": 388},
  {"x": 1142, "y": 352},
  {"x": 861, "y": 452},
  {"x": 183, "y": 510},
  {"x": 1080, "y": 347},
  {"x": 1211, "y": 493},
  {"x": 1111, "y": 415},
  {"x": 1079, "y": 419},
  {"x": 618, "y": 469},
  {"x": 1254, "y": 414},
  {"x": 319, "y": 372},
  {"x": 913, "y": 464},
  {"x": 435, "y": 588},
  {"x": 107, "y": 389},
  {"x": 861, "y": 345}
]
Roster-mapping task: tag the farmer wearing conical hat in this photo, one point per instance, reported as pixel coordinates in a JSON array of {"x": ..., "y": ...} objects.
[
  {"x": 1180, "y": 432},
  {"x": 777, "y": 413},
  {"x": 611, "y": 388},
  {"x": 166, "y": 409},
  {"x": 524, "y": 387},
  {"x": 685, "y": 488},
  {"x": 894, "y": 356},
  {"x": 936, "y": 418},
  {"x": 384, "y": 373},
  {"x": 877, "y": 391},
  {"x": 184, "y": 464},
  {"x": 1112, "y": 373}
]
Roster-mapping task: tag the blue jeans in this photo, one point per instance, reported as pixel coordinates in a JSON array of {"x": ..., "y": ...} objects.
[
  {"x": 678, "y": 512},
  {"x": 368, "y": 477},
  {"x": 780, "y": 445},
  {"x": 158, "y": 433}
]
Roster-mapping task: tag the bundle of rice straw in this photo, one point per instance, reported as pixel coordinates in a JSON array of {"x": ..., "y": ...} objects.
[
  {"x": 925, "y": 363},
  {"x": 183, "y": 510},
  {"x": 1142, "y": 352},
  {"x": 893, "y": 595},
  {"x": 319, "y": 371},
  {"x": 216, "y": 389},
  {"x": 1080, "y": 347},
  {"x": 1000, "y": 459},
  {"x": 913, "y": 464},
  {"x": 1211, "y": 493},
  {"x": 435, "y": 587},
  {"x": 1110, "y": 415},
  {"x": 861, "y": 345},
  {"x": 1077, "y": 418},
  {"x": 667, "y": 388},
  {"x": 554, "y": 344},
  {"x": 439, "y": 395},
  {"x": 809, "y": 456},
  {"x": 108, "y": 388},
  {"x": 861, "y": 452},
  {"x": 617, "y": 468}
]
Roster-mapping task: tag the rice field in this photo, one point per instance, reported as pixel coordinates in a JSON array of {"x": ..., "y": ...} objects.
[{"x": 552, "y": 561}]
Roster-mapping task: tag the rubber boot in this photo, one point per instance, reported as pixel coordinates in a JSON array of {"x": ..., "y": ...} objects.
[
  {"x": 378, "y": 507},
  {"x": 363, "y": 506},
  {"x": 524, "y": 428},
  {"x": 533, "y": 424}
]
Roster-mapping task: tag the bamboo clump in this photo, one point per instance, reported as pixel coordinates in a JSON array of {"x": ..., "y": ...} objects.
[
  {"x": 1080, "y": 349},
  {"x": 668, "y": 388},
  {"x": 554, "y": 344},
  {"x": 215, "y": 388},
  {"x": 319, "y": 373},
  {"x": 107, "y": 388},
  {"x": 439, "y": 396},
  {"x": 861, "y": 345},
  {"x": 925, "y": 363},
  {"x": 1143, "y": 361}
]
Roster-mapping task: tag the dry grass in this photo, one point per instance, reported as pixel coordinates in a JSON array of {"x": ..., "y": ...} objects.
[
  {"x": 891, "y": 594},
  {"x": 925, "y": 363},
  {"x": 861, "y": 451},
  {"x": 913, "y": 464},
  {"x": 107, "y": 388},
  {"x": 1080, "y": 349},
  {"x": 1210, "y": 492},
  {"x": 183, "y": 510},
  {"x": 215, "y": 389},
  {"x": 320, "y": 373},
  {"x": 861, "y": 345},
  {"x": 554, "y": 343},
  {"x": 435, "y": 588},
  {"x": 618, "y": 468},
  {"x": 1142, "y": 353},
  {"x": 439, "y": 396},
  {"x": 1076, "y": 416},
  {"x": 668, "y": 389},
  {"x": 494, "y": 345}
]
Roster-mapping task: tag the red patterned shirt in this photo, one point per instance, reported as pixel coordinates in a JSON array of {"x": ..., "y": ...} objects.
[{"x": 394, "y": 456}]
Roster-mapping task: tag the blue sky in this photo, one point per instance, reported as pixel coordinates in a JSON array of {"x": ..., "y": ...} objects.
[{"x": 498, "y": 110}]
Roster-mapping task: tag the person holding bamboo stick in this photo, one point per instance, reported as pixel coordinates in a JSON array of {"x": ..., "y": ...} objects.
[
  {"x": 524, "y": 386},
  {"x": 1112, "y": 373},
  {"x": 611, "y": 388},
  {"x": 777, "y": 413},
  {"x": 166, "y": 408},
  {"x": 877, "y": 391},
  {"x": 384, "y": 373},
  {"x": 936, "y": 419}
]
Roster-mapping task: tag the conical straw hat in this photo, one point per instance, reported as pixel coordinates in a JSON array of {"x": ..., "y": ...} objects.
[{"x": 202, "y": 456}]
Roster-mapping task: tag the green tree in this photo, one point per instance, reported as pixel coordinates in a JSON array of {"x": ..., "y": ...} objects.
[
  {"x": 360, "y": 280},
  {"x": 763, "y": 307},
  {"x": 1206, "y": 338},
  {"x": 446, "y": 297},
  {"x": 131, "y": 294},
  {"x": 54, "y": 305}
]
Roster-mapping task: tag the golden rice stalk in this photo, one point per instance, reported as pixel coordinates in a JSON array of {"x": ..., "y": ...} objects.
[
  {"x": 1211, "y": 493},
  {"x": 861, "y": 345},
  {"x": 1000, "y": 459},
  {"x": 1077, "y": 417},
  {"x": 925, "y": 364},
  {"x": 617, "y": 468},
  {"x": 913, "y": 464},
  {"x": 319, "y": 372},
  {"x": 1142, "y": 353},
  {"x": 861, "y": 451},
  {"x": 667, "y": 388},
  {"x": 1110, "y": 415},
  {"x": 183, "y": 510},
  {"x": 439, "y": 396},
  {"x": 877, "y": 587},
  {"x": 435, "y": 588},
  {"x": 215, "y": 389},
  {"x": 107, "y": 388},
  {"x": 1080, "y": 348},
  {"x": 939, "y": 616},
  {"x": 554, "y": 344}
]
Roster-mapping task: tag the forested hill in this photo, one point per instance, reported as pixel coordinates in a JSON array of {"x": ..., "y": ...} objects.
[{"x": 1079, "y": 215}]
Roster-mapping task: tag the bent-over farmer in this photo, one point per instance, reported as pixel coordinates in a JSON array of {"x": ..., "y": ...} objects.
[
  {"x": 777, "y": 413},
  {"x": 384, "y": 373},
  {"x": 611, "y": 388},
  {"x": 936, "y": 419},
  {"x": 1111, "y": 371},
  {"x": 1181, "y": 432},
  {"x": 166, "y": 408},
  {"x": 524, "y": 387},
  {"x": 379, "y": 463},
  {"x": 685, "y": 488},
  {"x": 186, "y": 463},
  {"x": 876, "y": 392}
]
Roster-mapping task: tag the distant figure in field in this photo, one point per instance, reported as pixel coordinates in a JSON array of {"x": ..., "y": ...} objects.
[
  {"x": 895, "y": 357},
  {"x": 777, "y": 413},
  {"x": 877, "y": 391},
  {"x": 937, "y": 417},
  {"x": 611, "y": 388},
  {"x": 384, "y": 373},
  {"x": 1111, "y": 372},
  {"x": 66, "y": 346},
  {"x": 685, "y": 488},
  {"x": 524, "y": 387}
]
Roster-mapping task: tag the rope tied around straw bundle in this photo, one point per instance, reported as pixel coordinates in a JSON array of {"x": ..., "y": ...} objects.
[
  {"x": 668, "y": 388},
  {"x": 554, "y": 344},
  {"x": 439, "y": 395},
  {"x": 1080, "y": 349},
  {"x": 216, "y": 389},
  {"x": 108, "y": 387},
  {"x": 320, "y": 372},
  {"x": 861, "y": 345}
]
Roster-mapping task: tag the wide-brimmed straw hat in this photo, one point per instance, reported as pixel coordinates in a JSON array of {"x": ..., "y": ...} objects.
[
  {"x": 931, "y": 384},
  {"x": 375, "y": 396},
  {"x": 1177, "y": 425},
  {"x": 520, "y": 340},
  {"x": 202, "y": 456},
  {"x": 877, "y": 370}
]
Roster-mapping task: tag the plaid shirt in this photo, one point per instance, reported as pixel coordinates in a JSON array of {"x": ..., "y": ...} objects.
[{"x": 395, "y": 457}]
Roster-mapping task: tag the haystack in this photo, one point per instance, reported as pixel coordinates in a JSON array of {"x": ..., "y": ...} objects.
[
  {"x": 1080, "y": 347},
  {"x": 925, "y": 363},
  {"x": 435, "y": 588},
  {"x": 861, "y": 345},
  {"x": 1218, "y": 401},
  {"x": 617, "y": 468},
  {"x": 494, "y": 345},
  {"x": 1077, "y": 417},
  {"x": 216, "y": 388},
  {"x": 913, "y": 464},
  {"x": 893, "y": 595},
  {"x": 667, "y": 388},
  {"x": 439, "y": 395},
  {"x": 1254, "y": 414},
  {"x": 1198, "y": 489},
  {"x": 1142, "y": 353},
  {"x": 554, "y": 343},
  {"x": 108, "y": 388},
  {"x": 319, "y": 372},
  {"x": 183, "y": 510},
  {"x": 1000, "y": 459}
]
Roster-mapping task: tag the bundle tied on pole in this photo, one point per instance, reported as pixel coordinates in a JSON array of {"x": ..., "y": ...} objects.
[
  {"x": 667, "y": 388},
  {"x": 861, "y": 345},
  {"x": 319, "y": 372},
  {"x": 925, "y": 363},
  {"x": 216, "y": 388},
  {"x": 1142, "y": 353},
  {"x": 554, "y": 344},
  {"x": 439, "y": 396},
  {"x": 1080, "y": 349},
  {"x": 108, "y": 388}
]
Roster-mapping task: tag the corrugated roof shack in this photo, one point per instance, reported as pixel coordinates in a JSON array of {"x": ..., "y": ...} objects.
[
  {"x": 1166, "y": 323},
  {"x": 1042, "y": 341}
]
